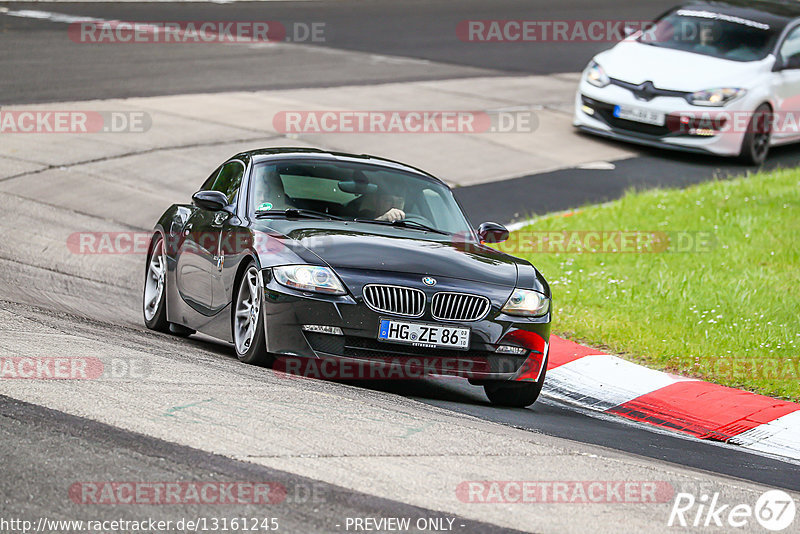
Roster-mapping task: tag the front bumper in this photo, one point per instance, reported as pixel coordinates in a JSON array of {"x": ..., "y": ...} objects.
[
  {"x": 286, "y": 311},
  {"x": 594, "y": 114}
]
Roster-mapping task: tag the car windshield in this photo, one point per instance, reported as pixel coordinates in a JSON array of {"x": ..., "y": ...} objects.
[
  {"x": 356, "y": 191},
  {"x": 712, "y": 34}
]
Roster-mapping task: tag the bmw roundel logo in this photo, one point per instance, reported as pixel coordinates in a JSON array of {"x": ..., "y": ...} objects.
[{"x": 429, "y": 281}]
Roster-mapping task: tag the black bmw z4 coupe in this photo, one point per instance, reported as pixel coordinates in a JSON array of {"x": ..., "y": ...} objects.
[{"x": 299, "y": 256}]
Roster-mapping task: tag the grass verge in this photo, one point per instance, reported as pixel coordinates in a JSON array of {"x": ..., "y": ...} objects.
[{"x": 710, "y": 288}]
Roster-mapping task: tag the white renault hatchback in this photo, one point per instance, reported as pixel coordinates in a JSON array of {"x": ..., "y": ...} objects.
[{"x": 713, "y": 77}]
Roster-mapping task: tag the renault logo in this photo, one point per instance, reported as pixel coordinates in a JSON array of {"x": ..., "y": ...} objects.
[
  {"x": 646, "y": 91},
  {"x": 429, "y": 281}
]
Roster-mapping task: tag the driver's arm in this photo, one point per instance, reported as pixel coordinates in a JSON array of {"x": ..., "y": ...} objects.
[{"x": 392, "y": 215}]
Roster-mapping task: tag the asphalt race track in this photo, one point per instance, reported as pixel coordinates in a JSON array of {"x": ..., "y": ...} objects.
[
  {"x": 415, "y": 29},
  {"x": 408, "y": 41},
  {"x": 192, "y": 412}
]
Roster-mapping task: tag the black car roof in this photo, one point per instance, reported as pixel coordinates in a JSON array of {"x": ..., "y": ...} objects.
[
  {"x": 775, "y": 13},
  {"x": 263, "y": 154}
]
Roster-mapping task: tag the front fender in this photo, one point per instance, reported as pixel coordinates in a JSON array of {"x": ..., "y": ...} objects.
[
  {"x": 528, "y": 277},
  {"x": 273, "y": 249},
  {"x": 171, "y": 225}
]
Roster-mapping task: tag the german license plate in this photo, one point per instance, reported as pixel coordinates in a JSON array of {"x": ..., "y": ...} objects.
[
  {"x": 640, "y": 115},
  {"x": 424, "y": 335}
]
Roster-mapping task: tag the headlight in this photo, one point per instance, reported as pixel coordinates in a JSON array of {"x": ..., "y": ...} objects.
[
  {"x": 309, "y": 278},
  {"x": 715, "y": 97},
  {"x": 596, "y": 76},
  {"x": 527, "y": 303}
]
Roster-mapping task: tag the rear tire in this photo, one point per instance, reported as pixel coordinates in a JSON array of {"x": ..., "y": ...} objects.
[
  {"x": 247, "y": 320},
  {"x": 154, "y": 305},
  {"x": 755, "y": 145},
  {"x": 154, "y": 299}
]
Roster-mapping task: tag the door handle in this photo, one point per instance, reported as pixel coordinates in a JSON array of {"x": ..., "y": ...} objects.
[{"x": 220, "y": 218}]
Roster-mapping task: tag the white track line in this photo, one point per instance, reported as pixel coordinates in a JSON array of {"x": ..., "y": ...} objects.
[
  {"x": 781, "y": 436},
  {"x": 602, "y": 381}
]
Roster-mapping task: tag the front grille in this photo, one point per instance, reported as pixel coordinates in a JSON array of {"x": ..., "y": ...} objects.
[
  {"x": 368, "y": 347},
  {"x": 478, "y": 360},
  {"x": 605, "y": 112},
  {"x": 459, "y": 307},
  {"x": 329, "y": 343},
  {"x": 395, "y": 299},
  {"x": 647, "y": 91}
]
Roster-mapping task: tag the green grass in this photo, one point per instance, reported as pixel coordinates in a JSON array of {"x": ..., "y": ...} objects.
[{"x": 727, "y": 312}]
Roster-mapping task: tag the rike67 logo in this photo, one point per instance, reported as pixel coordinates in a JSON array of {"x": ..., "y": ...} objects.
[{"x": 774, "y": 510}]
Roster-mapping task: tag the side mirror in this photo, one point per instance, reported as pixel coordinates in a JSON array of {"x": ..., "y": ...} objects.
[
  {"x": 793, "y": 62},
  {"x": 210, "y": 200},
  {"x": 491, "y": 232}
]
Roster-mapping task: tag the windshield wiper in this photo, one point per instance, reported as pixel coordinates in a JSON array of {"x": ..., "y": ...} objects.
[
  {"x": 405, "y": 224},
  {"x": 298, "y": 214},
  {"x": 419, "y": 226},
  {"x": 314, "y": 214}
]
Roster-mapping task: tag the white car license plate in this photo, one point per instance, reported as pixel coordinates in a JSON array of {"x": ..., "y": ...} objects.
[
  {"x": 640, "y": 115},
  {"x": 424, "y": 335}
]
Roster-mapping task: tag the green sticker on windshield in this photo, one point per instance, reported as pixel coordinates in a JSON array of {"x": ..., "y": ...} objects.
[{"x": 265, "y": 206}]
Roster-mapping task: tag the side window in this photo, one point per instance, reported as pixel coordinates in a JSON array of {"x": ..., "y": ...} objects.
[
  {"x": 790, "y": 45},
  {"x": 210, "y": 180},
  {"x": 229, "y": 179}
]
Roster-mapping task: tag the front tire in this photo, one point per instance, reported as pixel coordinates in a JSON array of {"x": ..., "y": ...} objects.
[
  {"x": 248, "y": 324},
  {"x": 514, "y": 394},
  {"x": 755, "y": 145}
]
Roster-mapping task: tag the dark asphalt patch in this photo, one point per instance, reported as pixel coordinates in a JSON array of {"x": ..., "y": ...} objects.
[
  {"x": 561, "y": 421},
  {"x": 39, "y": 444}
]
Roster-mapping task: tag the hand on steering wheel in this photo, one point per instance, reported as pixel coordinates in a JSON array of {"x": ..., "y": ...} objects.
[{"x": 393, "y": 215}]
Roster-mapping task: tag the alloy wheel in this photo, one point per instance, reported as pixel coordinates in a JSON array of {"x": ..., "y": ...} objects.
[
  {"x": 248, "y": 306},
  {"x": 154, "y": 282}
]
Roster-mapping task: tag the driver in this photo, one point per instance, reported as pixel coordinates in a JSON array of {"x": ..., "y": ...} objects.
[
  {"x": 390, "y": 206},
  {"x": 706, "y": 44},
  {"x": 384, "y": 205}
]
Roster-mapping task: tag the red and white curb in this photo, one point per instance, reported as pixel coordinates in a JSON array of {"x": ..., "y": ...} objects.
[{"x": 601, "y": 382}]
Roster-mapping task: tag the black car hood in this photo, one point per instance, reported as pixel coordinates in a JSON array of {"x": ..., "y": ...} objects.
[{"x": 362, "y": 246}]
